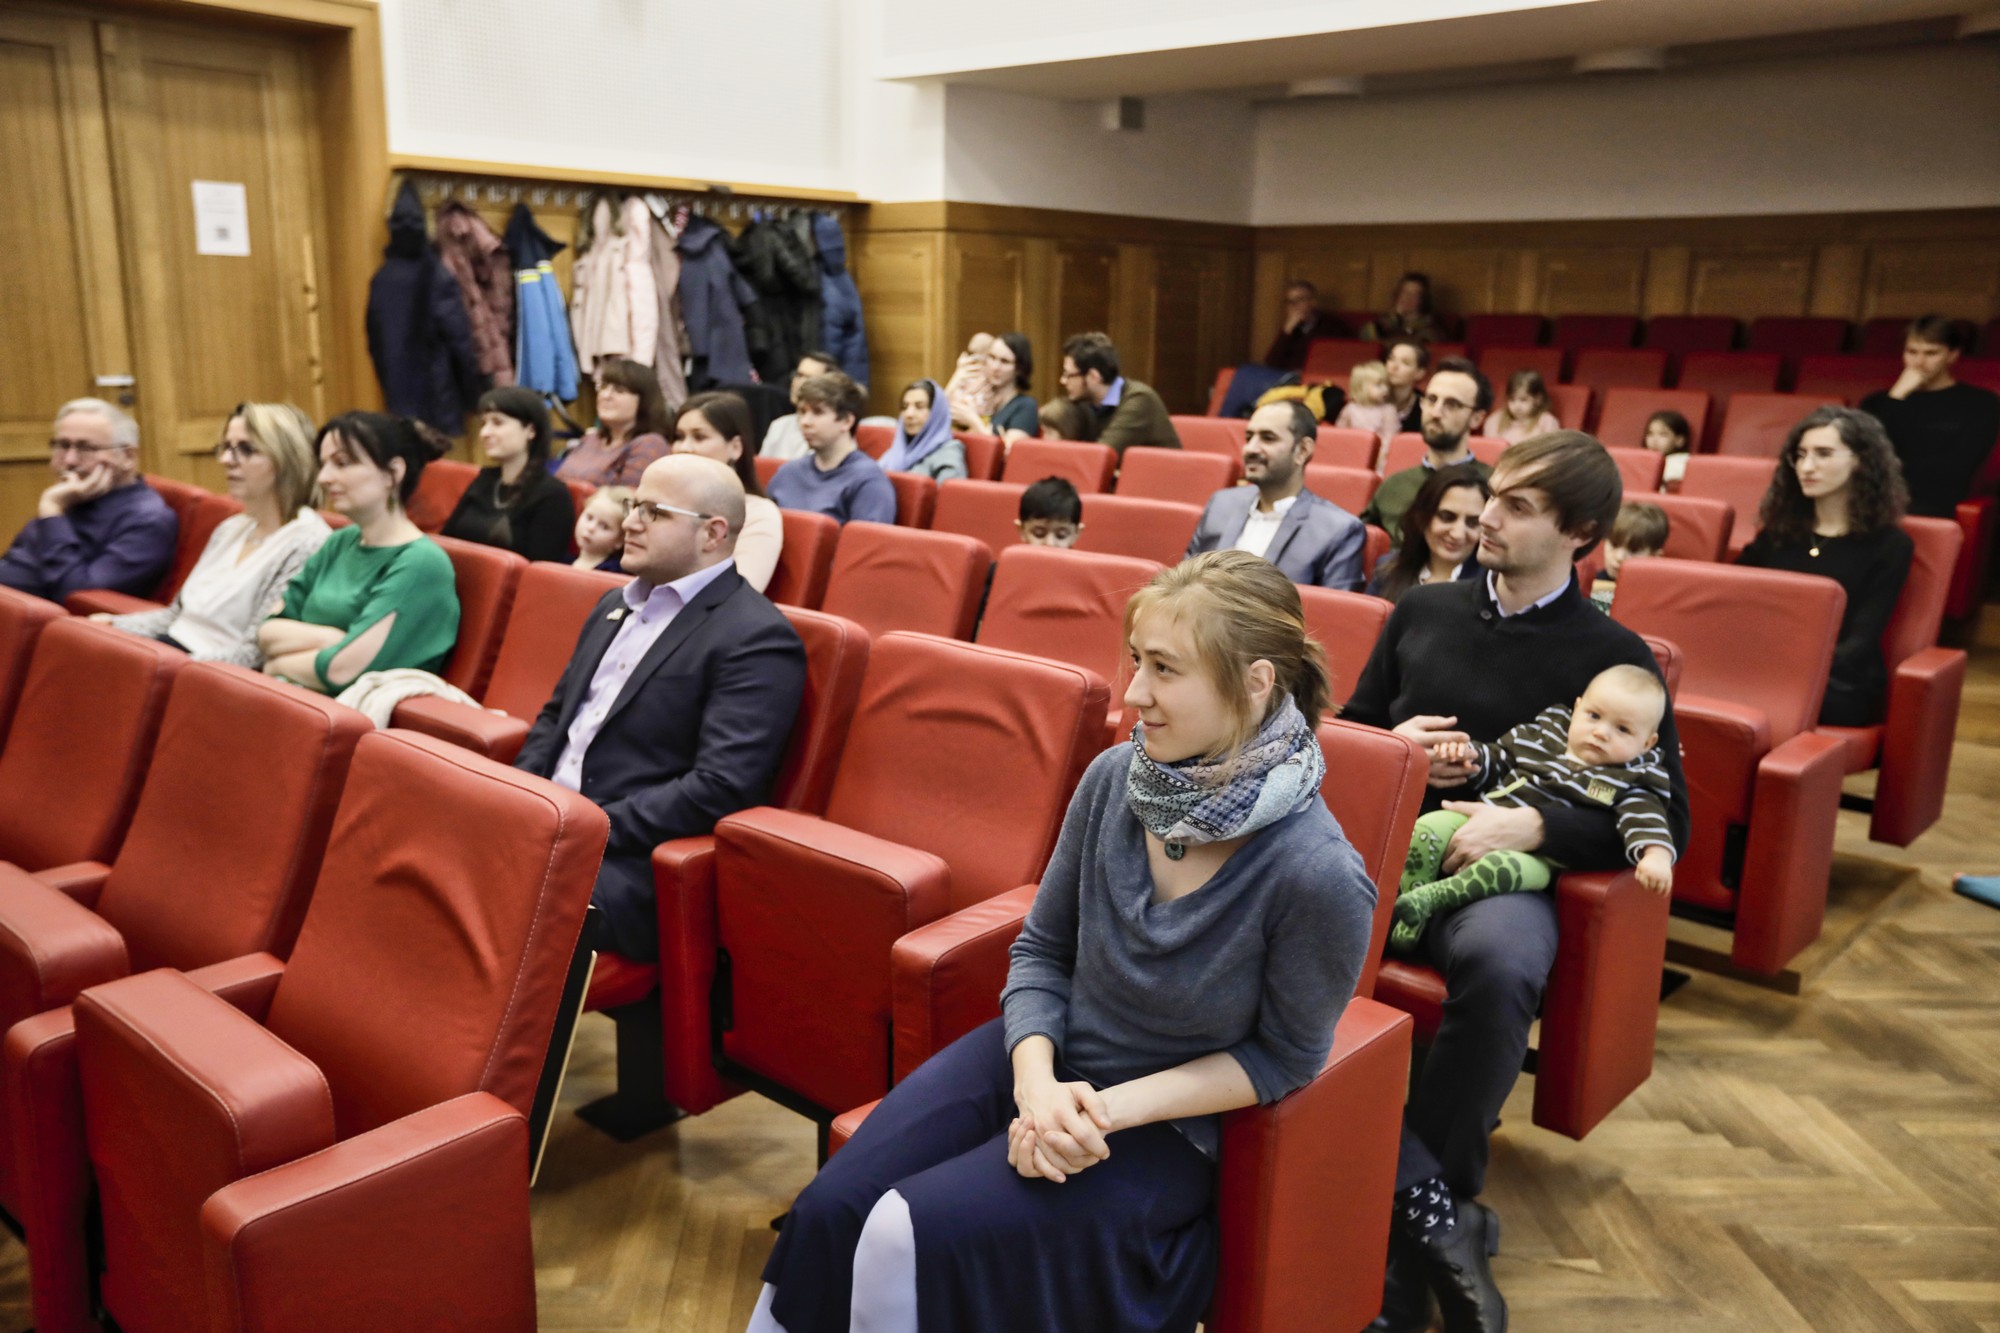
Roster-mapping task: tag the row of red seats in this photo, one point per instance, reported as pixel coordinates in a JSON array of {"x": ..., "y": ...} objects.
[
  {"x": 1786, "y": 335},
  {"x": 277, "y": 992}
]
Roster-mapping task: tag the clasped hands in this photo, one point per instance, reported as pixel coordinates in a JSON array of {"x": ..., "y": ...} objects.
[
  {"x": 1060, "y": 1130},
  {"x": 1487, "y": 828}
]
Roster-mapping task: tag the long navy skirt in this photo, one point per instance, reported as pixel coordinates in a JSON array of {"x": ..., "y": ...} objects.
[{"x": 1126, "y": 1246}]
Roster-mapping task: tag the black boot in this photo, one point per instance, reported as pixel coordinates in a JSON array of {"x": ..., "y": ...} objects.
[
  {"x": 1406, "y": 1290},
  {"x": 1459, "y": 1275}
]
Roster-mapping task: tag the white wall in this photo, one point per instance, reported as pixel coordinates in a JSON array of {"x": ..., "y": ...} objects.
[
  {"x": 1191, "y": 160},
  {"x": 1909, "y": 128}
]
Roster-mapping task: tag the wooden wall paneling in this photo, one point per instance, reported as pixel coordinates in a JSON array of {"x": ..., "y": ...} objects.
[
  {"x": 987, "y": 286},
  {"x": 1461, "y": 279},
  {"x": 901, "y": 279},
  {"x": 1265, "y": 305},
  {"x": 1135, "y": 295},
  {"x": 1750, "y": 282},
  {"x": 1669, "y": 270},
  {"x": 1591, "y": 281},
  {"x": 1178, "y": 358},
  {"x": 1086, "y": 273},
  {"x": 1957, "y": 279},
  {"x": 1836, "y": 281}
]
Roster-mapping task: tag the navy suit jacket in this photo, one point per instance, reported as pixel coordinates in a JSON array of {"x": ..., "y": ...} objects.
[
  {"x": 698, "y": 732},
  {"x": 1319, "y": 543}
]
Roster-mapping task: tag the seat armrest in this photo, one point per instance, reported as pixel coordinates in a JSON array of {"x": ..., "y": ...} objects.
[
  {"x": 807, "y": 912},
  {"x": 1789, "y": 856},
  {"x": 498, "y": 736},
  {"x": 1601, "y": 1009},
  {"x": 48, "y": 1168},
  {"x": 1976, "y": 519},
  {"x": 945, "y": 978},
  {"x": 1304, "y": 1192},
  {"x": 1924, "y": 695},
  {"x": 80, "y": 880},
  {"x": 50, "y": 948},
  {"x": 90, "y": 601},
  {"x": 684, "y": 888},
  {"x": 422, "y": 1223},
  {"x": 248, "y": 983}
]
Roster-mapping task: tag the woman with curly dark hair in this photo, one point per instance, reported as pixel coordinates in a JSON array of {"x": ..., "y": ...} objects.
[
  {"x": 1440, "y": 535},
  {"x": 1833, "y": 509}
]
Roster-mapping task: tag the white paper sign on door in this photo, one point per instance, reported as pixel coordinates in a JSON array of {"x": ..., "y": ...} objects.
[{"x": 221, "y": 218}]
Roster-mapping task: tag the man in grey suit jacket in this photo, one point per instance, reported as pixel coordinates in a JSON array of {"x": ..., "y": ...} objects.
[{"x": 1311, "y": 539}]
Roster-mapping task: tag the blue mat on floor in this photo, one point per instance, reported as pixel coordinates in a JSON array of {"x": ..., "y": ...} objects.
[{"x": 1979, "y": 888}]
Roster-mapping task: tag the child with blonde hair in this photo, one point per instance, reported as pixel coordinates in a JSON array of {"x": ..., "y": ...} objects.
[
  {"x": 600, "y": 529},
  {"x": 1526, "y": 412},
  {"x": 1368, "y": 406}
]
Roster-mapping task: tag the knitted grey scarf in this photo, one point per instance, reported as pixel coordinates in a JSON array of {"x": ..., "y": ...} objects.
[{"x": 1192, "y": 801}]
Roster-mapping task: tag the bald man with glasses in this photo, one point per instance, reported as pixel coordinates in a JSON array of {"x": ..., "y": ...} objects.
[
  {"x": 99, "y": 525},
  {"x": 678, "y": 701}
]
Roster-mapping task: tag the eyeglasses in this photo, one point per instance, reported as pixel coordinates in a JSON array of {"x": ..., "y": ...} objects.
[
  {"x": 229, "y": 449},
  {"x": 1445, "y": 404},
  {"x": 650, "y": 513},
  {"x": 58, "y": 447}
]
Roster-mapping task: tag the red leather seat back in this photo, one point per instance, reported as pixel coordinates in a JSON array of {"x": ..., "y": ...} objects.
[
  {"x": 1328, "y": 358},
  {"x": 198, "y": 524},
  {"x": 1065, "y": 605},
  {"x": 1882, "y": 336},
  {"x": 1691, "y": 333},
  {"x": 1723, "y": 374},
  {"x": 1180, "y": 475},
  {"x": 1920, "y": 610},
  {"x": 1569, "y": 402},
  {"x": 1088, "y": 467},
  {"x": 984, "y": 456},
  {"x": 1504, "y": 330},
  {"x": 987, "y": 510},
  {"x": 1739, "y": 483},
  {"x": 1220, "y": 389},
  {"x": 1640, "y": 470},
  {"x": 1754, "y": 425},
  {"x": 805, "y": 560},
  {"x": 1374, "y": 785},
  {"x": 1149, "y": 529},
  {"x": 1711, "y": 611},
  {"x": 1796, "y": 336},
  {"x": 887, "y": 577},
  {"x": 1621, "y": 421},
  {"x": 551, "y": 603},
  {"x": 486, "y": 579},
  {"x": 1346, "y": 624},
  {"x": 875, "y": 440},
  {"x": 1375, "y": 545},
  {"x": 82, "y": 736},
  {"x": 1407, "y": 449},
  {"x": 1847, "y": 378},
  {"x": 22, "y": 618},
  {"x": 916, "y": 497},
  {"x": 442, "y": 926},
  {"x": 233, "y": 819},
  {"x": 767, "y": 468},
  {"x": 1342, "y": 446},
  {"x": 836, "y": 658},
  {"x": 1668, "y": 654},
  {"x": 1605, "y": 368},
  {"x": 439, "y": 489},
  {"x": 968, "y": 753},
  {"x": 1349, "y": 487},
  {"x": 1983, "y": 373},
  {"x": 1218, "y": 436},
  {"x": 1497, "y": 363},
  {"x": 1594, "y": 331}
]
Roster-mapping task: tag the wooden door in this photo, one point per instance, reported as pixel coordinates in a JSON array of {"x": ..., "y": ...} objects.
[{"x": 62, "y": 297}]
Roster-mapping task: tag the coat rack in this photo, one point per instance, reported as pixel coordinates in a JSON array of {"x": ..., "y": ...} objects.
[{"x": 717, "y": 202}]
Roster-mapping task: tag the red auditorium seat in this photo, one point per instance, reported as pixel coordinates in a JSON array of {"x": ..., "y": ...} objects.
[
  {"x": 1068, "y": 606},
  {"x": 1346, "y": 625},
  {"x": 579, "y": 492},
  {"x": 22, "y": 619},
  {"x": 1332, "y": 358},
  {"x": 1755, "y": 425},
  {"x": 875, "y": 439},
  {"x": 1180, "y": 475},
  {"x": 985, "y": 455},
  {"x": 1796, "y": 337},
  {"x": 1639, "y": 469},
  {"x": 1441, "y": 350},
  {"x": 1848, "y": 379},
  {"x": 1883, "y": 336},
  {"x": 223, "y": 850},
  {"x": 486, "y": 579},
  {"x": 1621, "y": 422},
  {"x": 1720, "y": 374},
  {"x": 83, "y": 731},
  {"x": 1088, "y": 467},
  {"x": 1376, "y": 544},
  {"x": 439, "y": 489},
  {"x": 200, "y": 513},
  {"x": 1989, "y": 339},
  {"x": 1679, "y": 334},
  {"x": 988, "y": 510},
  {"x": 1576, "y": 332},
  {"x": 1484, "y": 331},
  {"x": 957, "y": 771},
  {"x": 1739, "y": 483},
  {"x": 916, "y": 499},
  {"x": 1569, "y": 402},
  {"x": 662, "y": 1017},
  {"x": 550, "y": 607},
  {"x": 348, "y": 1128},
  {"x": 1406, "y": 450},
  {"x": 767, "y": 468},
  {"x": 1912, "y": 744},
  {"x": 1221, "y": 436},
  {"x": 1982, "y": 371},
  {"x": 887, "y": 577},
  {"x": 1219, "y": 391},
  {"x": 805, "y": 560},
  {"x": 1609, "y": 368},
  {"x": 1345, "y": 447},
  {"x": 1498, "y": 363},
  {"x": 1697, "y": 528},
  {"x": 1763, "y": 786},
  {"x": 1148, "y": 529},
  {"x": 1349, "y": 487}
]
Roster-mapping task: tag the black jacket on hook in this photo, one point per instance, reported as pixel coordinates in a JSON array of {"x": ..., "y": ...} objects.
[
  {"x": 713, "y": 297},
  {"x": 418, "y": 334},
  {"x": 776, "y": 256}
]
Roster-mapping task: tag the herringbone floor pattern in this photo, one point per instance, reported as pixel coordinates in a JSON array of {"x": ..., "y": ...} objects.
[{"x": 1828, "y": 1162}]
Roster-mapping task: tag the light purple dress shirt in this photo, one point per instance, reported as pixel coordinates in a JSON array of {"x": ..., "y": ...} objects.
[{"x": 647, "y": 613}]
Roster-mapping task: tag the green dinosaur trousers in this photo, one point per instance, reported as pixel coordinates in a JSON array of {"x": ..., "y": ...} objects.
[{"x": 1426, "y": 894}]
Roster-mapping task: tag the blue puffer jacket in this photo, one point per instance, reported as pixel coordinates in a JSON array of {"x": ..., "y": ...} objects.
[
  {"x": 841, "y": 331},
  {"x": 544, "y": 357}
]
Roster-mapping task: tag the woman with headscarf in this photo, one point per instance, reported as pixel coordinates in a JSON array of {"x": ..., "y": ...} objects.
[{"x": 924, "y": 442}]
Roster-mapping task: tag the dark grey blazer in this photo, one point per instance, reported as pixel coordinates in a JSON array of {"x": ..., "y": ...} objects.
[{"x": 1319, "y": 543}]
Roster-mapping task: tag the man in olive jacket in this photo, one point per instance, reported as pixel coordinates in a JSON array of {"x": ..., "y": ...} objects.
[{"x": 1100, "y": 404}]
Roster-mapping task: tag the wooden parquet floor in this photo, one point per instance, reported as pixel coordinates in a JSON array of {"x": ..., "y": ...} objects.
[{"x": 1823, "y": 1162}]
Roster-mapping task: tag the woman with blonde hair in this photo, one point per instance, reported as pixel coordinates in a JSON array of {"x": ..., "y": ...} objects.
[
  {"x": 1191, "y": 946},
  {"x": 266, "y": 454}
]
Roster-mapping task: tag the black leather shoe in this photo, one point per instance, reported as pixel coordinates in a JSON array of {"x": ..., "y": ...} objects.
[
  {"x": 1406, "y": 1290},
  {"x": 1459, "y": 1275}
]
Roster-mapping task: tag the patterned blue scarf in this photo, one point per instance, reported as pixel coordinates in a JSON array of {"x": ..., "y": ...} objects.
[{"x": 1193, "y": 801}]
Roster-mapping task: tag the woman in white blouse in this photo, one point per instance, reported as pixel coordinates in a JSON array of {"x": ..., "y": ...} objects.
[{"x": 267, "y": 455}]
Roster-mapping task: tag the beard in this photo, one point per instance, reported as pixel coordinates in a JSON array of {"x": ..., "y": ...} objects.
[{"x": 1441, "y": 439}]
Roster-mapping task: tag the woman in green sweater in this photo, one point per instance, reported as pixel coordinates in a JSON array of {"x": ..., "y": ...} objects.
[{"x": 378, "y": 594}]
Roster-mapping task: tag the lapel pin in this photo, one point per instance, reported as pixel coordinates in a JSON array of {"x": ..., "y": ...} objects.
[{"x": 619, "y": 614}]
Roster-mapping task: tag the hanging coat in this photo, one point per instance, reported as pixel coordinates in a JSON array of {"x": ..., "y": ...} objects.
[
  {"x": 599, "y": 313},
  {"x": 418, "y": 335},
  {"x": 713, "y": 296},
  {"x": 479, "y": 264},
  {"x": 841, "y": 331},
  {"x": 544, "y": 359},
  {"x": 669, "y": 357},
  {"x": 780, "y": 267}
]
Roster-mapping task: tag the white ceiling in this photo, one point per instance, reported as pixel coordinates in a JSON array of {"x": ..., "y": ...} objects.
[{"x": 1691, "y": 29}]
